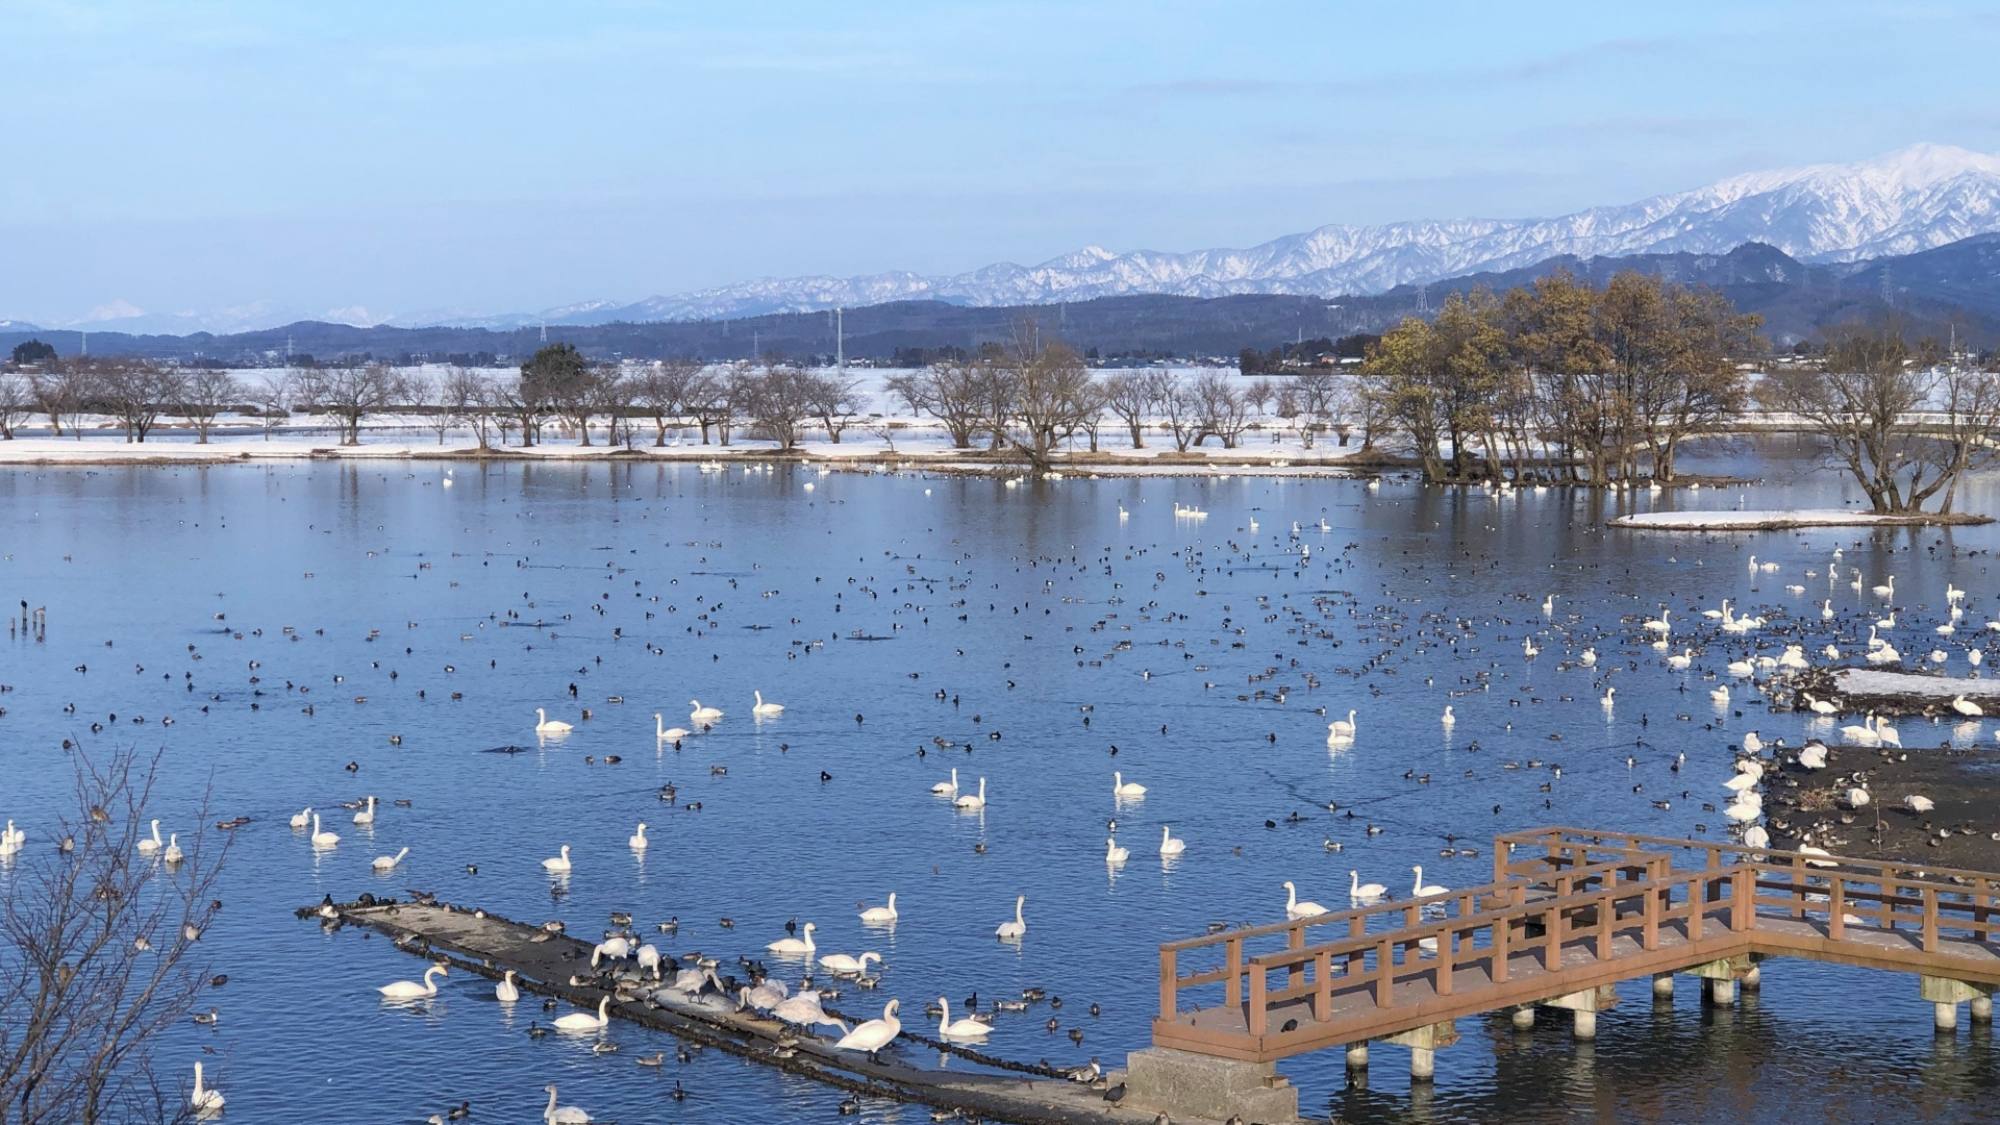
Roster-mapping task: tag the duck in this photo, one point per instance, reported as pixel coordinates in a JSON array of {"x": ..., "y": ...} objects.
[
  {"x": 766, "y": 710},
  {"x": 880, "y": 914},
  {"x": 844, "y": 965},
  {"x": 874, "y": 1034},
  {"x": 637, "y": 841},
  {"x": 584, "y": 1021},
  {"x": 971, "y": 800},
  {"x": 1123, "y": 788},
  {"x": 1360, "y": 891},
  {"x": 795, "y": 945},
  {"x": 558, "y": 864},
  {"x": 389, "y": 862},
  {"x": 1295, "y": 909},
  {"x": 963, "y": 1029},
  {"x": 322, "y": 838},
  {"x": 665, "y": 733},
  {"x": 1012, "y": 931},
  {"x": 546, "y": 725},
  {"x": 411, "y": 990},
  {"x": 507, "y": 991},
  {"x": 703, "y": 716},
  {"x": 1168, "y": 844}
]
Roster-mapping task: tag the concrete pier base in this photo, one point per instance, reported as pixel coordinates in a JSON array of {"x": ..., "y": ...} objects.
[
  {"x": 1754, "y": 979},
  {"x": 1721, "y": 991},
  {"x": 1585, "y": 1005},
  {"x": 1357, "y": 1056},
  {"x": 1524, "y": 1019},
  {"x": 1663, "y": 986},
  {"x": 1947, "y": 994},
  {"x": 1947, "y": 1016},
  {"x": 1982, "y": 1009},
  {"x": 1423, "y": 1043},
  {"x": 1585, "y": 1026},
  {"x": 1183, "y": 1084}
]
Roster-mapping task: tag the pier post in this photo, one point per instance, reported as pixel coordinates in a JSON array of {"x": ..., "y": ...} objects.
[
  {"x": 1185, "y": 1084},
  {"x": 1585, "y": 1005},
  {"x": 1721, "y": 976},
  {"x": 1524, "y": 1018},
  {"x": 1357, "y": 1056},
  {"x": 1754, "y": 979},
  {"x": 1663, "y": 986},
  {"x": 1423, "y": 1043},
  {"x": 1947, "y": 994},
  {"x": 1721, "y": 990},
  {"x": 1982, "y": 1009}
]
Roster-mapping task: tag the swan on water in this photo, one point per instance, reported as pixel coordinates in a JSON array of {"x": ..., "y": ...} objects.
[
  {"x": 665, "y": 733},
  {"x": 204, "y": 1100},
  {"x": 1886, "y": 590},
  {"x": 795, "y": 945},
  {"x": 703, "y": 716},
  {"x": 875, "y": 1034},
  {"x": 546, "y": 725},
  {"x": 1753, "y": 744},
  {"x": 880, "y": 914},
  {"x": 766, "y": 710},
  {"x": 1720, "y": 694},
  {"x": 947, "y": 788},
  {"x": 1295, "y": 909},
  {"x": 558, "y": 863},
  {"x": 389, "y": 862},
  {"x": 1659, "y": 624},
  {"x": 1820, "y": 706},
  {"x": 173, "y": 853},
  {"x": 1960, "y": 704},
  {"x": 1356, "y": 889},
  {"x": 1123, "y": 788},
  {"x": 1448, "y": 719},
  {"x": 1421, "y": 889},
  {"x": 411, "y": 990},
  {"x": 1610, "y": 695},
  {"x": 322, "y": 838},
  {"x": 148, "y": 847},
  {"x": 1755, "y": 837},
  {"x": 973, "y": 801},
  {"x": 1168, "y": 844},
  {"x": 303, "y": 818},
  {"x": 637, "y": 840},
  {"x": 366, "y": 816},
  {"x": 964, "y": 1029},
  {"x": 1113, "y": 854},
  {"x": 1012, "y": 931},
  {"x": 1681, "y": 660},
  {"x": 1341, "y": 728},
  {"x": 507, "y": 991},
  {"x": 841, "y": 964},
  {"x": 562, "y": 1115},
  {"x": 584, "y": 1021}
]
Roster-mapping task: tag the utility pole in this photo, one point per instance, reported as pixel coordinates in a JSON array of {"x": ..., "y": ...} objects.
[{"x": 840, "y": 338}]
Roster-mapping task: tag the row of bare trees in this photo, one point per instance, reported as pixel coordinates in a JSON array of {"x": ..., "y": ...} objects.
[{"x": 137, "y": 393}]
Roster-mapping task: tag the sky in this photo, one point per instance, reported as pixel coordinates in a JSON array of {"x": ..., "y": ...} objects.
[{"x": 364, "y": 160}]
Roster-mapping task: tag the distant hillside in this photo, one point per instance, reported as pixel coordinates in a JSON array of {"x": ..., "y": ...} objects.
[{"x": 1958, "y": 283}]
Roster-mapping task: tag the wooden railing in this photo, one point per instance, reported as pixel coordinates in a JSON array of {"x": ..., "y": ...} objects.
[{"x": 1575, "y": 905}]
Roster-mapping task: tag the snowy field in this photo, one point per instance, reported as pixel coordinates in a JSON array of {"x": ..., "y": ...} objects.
[{"x": 1761, "y": 520}]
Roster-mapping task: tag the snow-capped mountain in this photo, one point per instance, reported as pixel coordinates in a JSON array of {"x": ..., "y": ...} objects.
[{"x": 1914, "y": 199}]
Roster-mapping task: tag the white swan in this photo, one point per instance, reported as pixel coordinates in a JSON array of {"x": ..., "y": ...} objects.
[
  {"x": 1421, "y": 889},
  {"x": 1813, "y": 757},
  {"x": 559, "y": 864},
  {"x": 173, "y": 854},
  {"x": 795, "y": 945},
  {"x": 303, "y": 818},
  {"x": 546, "y": 725},
  {"x": 1659, "y": 624},
  {"x": 1886, "y": 590},
  {"x": 879, "y": 914},
  {"x": 665, "y": 733},
  {"x": 1294, "y": 909},
  {"x": 947, "y": 788},
  {"x": 1448, "y": 719},
  {"x": 1819, "y": 706},
  {"x": 841, "y": 964},
  {"x": 804, "y": 1009},
  {"x": 1681, "y": 660},
  {"x": 367, "y": 815},
  {"x": 703, "y": 716},
  {"x": 1960, "y": 704},
  {"x": 562, "y": 1115},
  {"x": 873, "y": 1035},
  {"x": 766, "y": 710},
  {"x": 204, "y": 1100},
  {"x": 389, "y": 862},
  {"x": 507, "y": 991},
  {"x": 1169, "y": 845},
  {"x": 584, "y": 1021},
  {"x": 1918, "y": 804},
  {"x": 637, "y": 840},
  {"x": 322, "y": 838},
  {"x": 1113, "y": 854},
  {"x": 972, "y": 801},
  {"x": 148, "y": 847},
  {"x": 1356, "y": 889},
  {"x": 411, "y": 990},
  {"x": 1012, "y": 931},
  {"x": 964, "y": 1029},
  {"x": 1123, "y": 788},
  {"x": 1341, "y": 728}
]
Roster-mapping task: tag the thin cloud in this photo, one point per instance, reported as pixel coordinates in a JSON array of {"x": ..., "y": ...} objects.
[{"x": 1518, "y": 71}]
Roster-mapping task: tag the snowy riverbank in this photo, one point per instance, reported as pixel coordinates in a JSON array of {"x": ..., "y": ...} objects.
[{"x": 1783, "y": 520}]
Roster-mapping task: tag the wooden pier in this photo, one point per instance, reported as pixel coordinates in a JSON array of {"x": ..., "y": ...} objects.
[{"x": 1571, "y": 912}]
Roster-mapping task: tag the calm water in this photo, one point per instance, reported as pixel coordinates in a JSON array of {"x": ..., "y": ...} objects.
[{"x": 1033, "y": 609}]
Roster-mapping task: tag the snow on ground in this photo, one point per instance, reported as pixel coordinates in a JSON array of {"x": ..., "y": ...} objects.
[
  {"x": 1870, "y": 681},
  {"x": 1755, "y": 521}
]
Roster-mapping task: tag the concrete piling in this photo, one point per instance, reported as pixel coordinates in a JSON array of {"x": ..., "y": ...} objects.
[
  {"x": 1663, "y": 986},
  {"x": 1423, "y": 1043},
  {"x": 1357, "y": 1056},
  {"x": 1524, "y": 1018},
  {"x": 1982, "y": 1009}
]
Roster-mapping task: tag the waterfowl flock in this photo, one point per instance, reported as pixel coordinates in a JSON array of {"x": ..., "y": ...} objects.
[{"x": 1195, "y": 651}]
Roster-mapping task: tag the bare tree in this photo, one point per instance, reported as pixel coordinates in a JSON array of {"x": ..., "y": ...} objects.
[
  {"x": 1181, "y": 408},
  {"x": 777, "y": 400},
  {"x": 1048, "y": 392},
  {"x": 1259, "y": 394},
  {"x": 663, "y": 391},
  {"x": 429, "y": 395},
  {"x": 712, "y": 401},
  {"x": 834, "y": 401},
  {"x": 610, "y": 393},
  {"x": 61, "y": 391},
  {"x": 273, "y": 396},
  {"x": 956, "y": 393},
  {"x": 206, "y": 392},
  {"x": 520, "y": 405},
  {"x": 100, "y": 947},
  {"x": 350, "y": 393},
  {"x": 1222, "y": 408},
  {"x": 467, "y": 396},
  {"x": 16, "y": 400},
  {"x": 135, "y": 393},
  {"x": 1133, "y": 396}
]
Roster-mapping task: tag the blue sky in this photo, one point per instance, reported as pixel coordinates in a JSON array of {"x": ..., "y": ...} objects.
[{"x": 499, "y": 157}]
